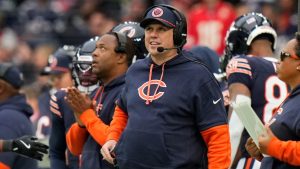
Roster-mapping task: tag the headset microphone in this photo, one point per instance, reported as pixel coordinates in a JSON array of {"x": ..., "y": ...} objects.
[{"x": 161, "y": 49}]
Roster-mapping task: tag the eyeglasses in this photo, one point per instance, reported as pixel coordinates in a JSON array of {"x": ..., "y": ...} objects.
[{"x": 284, "y": 55}]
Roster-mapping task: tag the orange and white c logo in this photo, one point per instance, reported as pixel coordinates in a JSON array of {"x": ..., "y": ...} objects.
[{"x": 143, "y": 93}]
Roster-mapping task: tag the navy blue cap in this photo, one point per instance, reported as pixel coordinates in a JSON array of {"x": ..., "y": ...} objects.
[
  {"x": 60, "y": 62},
  {"x": 11, "y": 74},
  {"x": 161, "y": 14}
]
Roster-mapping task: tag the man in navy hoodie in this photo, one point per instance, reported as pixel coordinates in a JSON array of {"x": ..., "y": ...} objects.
[
  {"x": 14, "y": 115},
  {"x": 171, "y": 112},
  {"x": 111, "y": 58}
]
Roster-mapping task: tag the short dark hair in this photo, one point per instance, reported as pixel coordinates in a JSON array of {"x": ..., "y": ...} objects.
[{"x": 130, "y": 49}]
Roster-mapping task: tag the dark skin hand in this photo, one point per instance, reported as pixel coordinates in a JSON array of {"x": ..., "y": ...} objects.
[
  {"x": 253, "y": 150},
  {"x": 263, "y": 141},
  {"x": 78, "y": 102}
]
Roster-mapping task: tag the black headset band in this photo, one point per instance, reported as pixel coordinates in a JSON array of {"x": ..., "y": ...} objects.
[{"x": 122, "y": 40}]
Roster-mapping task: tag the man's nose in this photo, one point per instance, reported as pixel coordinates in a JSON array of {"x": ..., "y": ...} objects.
[{"x": 154, "y": 34}]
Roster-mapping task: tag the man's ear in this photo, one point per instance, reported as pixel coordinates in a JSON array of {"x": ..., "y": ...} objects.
[
  {"x": 122, "y": 58},
  {"x": 2, "y": 86}
]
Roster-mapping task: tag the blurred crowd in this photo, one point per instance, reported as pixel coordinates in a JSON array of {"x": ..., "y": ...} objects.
[{"x": 31, "y": 30}]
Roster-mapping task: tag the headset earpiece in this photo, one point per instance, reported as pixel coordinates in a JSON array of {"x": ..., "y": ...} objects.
[
  {"x": 180, "y": 31},
  {"x": 122, "y": 40}
]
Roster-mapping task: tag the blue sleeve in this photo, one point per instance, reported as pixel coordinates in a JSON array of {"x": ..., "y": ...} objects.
[
  {"x": 239, "y": 70},
  {"x": 210, "y": 110},
  {"x": 57, "y": 142},
  {"x": 6, "y": 134},
  {"x": 14, "y": 124}
]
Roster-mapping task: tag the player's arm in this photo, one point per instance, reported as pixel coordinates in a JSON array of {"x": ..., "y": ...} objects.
[
  {"x": 120, "y": 117},
  {"x": 286, "y": 151},
  {"x": 77, "y": 134},
  {"x": 117, "y": 126},
  {"x": 234, "y": 90},
  {"x": 218, "y": 144},
  {"x": 57, "y": 140},
  {"x": 95, "y": 126},
  {"x": 76, "y": 137},
  {"x": 57, "y": 143},
  {"x": 212, "y": 122},
  {"x": 239, "y": 75},
  {"x": 99, "y": 130},
  {"x": 27, "y": 146},
  {"x": 237, "y": 89}
]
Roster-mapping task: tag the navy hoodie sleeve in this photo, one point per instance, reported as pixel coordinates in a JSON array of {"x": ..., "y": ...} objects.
[
  {"x": 7, "y": 133},
  {"x": 14, "y": 124},
  {"x": 57, "y": 142},
  {"x": 62, "y": 119},
  {"x": 210, "y": 111}
]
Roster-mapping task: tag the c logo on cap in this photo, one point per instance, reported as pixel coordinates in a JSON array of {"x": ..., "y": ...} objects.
[
  {"x": 157, "y": 12},
  {"x": 52, "y": 61}
]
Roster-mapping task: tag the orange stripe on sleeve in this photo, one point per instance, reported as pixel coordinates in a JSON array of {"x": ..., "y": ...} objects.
[
  {"x": 4, "y": 166},
  {"x": 96, "y": 127},
  {"x": 217, "y": 140},
  {"x": 53, "y": 110},
  {"x": 76, "y": 137},
  {"x": 248, "y": 163},
  {"x": 54, "y": 98},
  {"x": 54, "y": 104},
  {"x": 287, "y": 151},
  {"x": 118, "y": 124}
]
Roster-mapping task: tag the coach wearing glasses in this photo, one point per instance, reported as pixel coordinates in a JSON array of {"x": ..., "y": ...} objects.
[{"x": 281, "y": 141}]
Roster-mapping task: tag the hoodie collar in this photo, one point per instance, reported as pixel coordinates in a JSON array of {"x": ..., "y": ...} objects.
[
  {"x": 178, "y": 59},
  {"x": 116, "y": 82},
  {"x": 17, "y": 102},
  {"x": 295, "y": 92}
]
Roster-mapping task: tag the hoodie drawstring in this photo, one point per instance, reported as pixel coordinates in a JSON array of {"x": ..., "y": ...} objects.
[{"x": 149, "y": 83}]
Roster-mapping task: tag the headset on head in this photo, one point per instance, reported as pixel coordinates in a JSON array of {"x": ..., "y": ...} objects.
[
  {"x": 122, "y": 40},
  {"x": 180, "y": 31}
]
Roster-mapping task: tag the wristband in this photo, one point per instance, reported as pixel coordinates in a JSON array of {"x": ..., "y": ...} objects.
[{"x": 7, "y": 145}]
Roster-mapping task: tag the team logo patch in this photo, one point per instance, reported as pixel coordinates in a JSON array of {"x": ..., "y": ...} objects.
[
  {"x": 251, "y": 20},
  {"x": 153, "y": 83},
  {"x": 157, "y": 12},
  {"x": 52, "y": 61}
]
